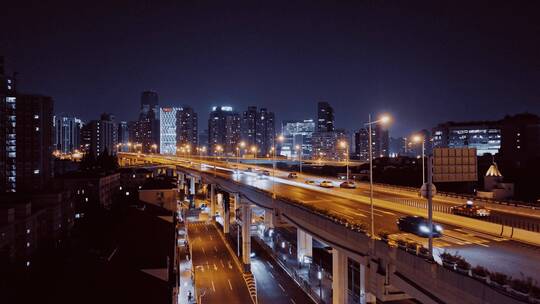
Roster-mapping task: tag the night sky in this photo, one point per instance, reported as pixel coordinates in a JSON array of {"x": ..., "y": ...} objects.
[{"x": 424, "y": 62}]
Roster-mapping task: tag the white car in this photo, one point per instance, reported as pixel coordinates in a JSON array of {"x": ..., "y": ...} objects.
[{"x": 326, "y": 184}]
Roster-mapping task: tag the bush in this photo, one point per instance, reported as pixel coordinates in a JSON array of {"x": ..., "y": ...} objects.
[
  {"x": 499, "y": 278},
  {"x": 423, "y": 250},
  {"x": 523, "y": 285},
  {"x": 480, "y": 271},
  {"x": 401, "y": 243},
  {"x": 535, "y": 292},
  {"x": 462, "y": 263},
  {"x": 448, "y": 257},
  {"x": 412, "y": 245}
]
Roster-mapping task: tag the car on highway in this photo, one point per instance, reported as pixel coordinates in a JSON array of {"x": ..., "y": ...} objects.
[
  {"x": 326, "y": 184},
  {"x": 266, "y": 172},
  {"x": 419, "y": 226},
  {"x": 260, "y": 176},
  {"x": 292, "y": 175},
  {"x": 471, "y": 210},
  {"x": 249, "y": 169},
  {"x": 348, "y": 185},
  {"x": 310, "y": 182}
]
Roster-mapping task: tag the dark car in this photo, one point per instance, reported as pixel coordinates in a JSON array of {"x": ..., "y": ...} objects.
[
  {"x": 419, "y": 226},
  {"x": 293, "y": 175},
  {"x": 347, "y": 185},
  {"x": 266, "y": 172}
]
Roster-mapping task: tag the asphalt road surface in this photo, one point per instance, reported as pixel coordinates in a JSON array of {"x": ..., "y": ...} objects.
[{"x": 216, "y": 275}]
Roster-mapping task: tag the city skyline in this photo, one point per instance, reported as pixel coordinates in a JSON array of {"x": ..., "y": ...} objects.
[{"x": 443, "y": 71}]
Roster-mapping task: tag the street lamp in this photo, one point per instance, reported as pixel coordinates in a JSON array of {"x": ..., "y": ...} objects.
[
  {"x": 385, "y": 119},
  {"x": 241, "y": 146},
  {"x": 129, "y": 146},
  {"x": 343, "y": 144},
  {"x": 154, "y": 148},
  {"x": 417, "y": 139},
  {"x": 280, "y": 139}
]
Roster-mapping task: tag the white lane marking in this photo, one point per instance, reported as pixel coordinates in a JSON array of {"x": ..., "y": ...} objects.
[
  {"x": 269, "y": 264},
  {"x": 112, "y": 254},
  {"x": 292, "y": 301},
  {"x": 215, "y": 267},
  {"x": 203, "y": 250},
  {"x": 211, "y": 238},
  {"x": 230, "y": 285},
  {"x": 281, "y": 287},
  {"x": 271, "y": 275},
  {"x": 230, "y": 265},
  {"x": 222, "y": 265},
  {"x": 215, "y": 249},
  {"x": 213, "y": 286}
]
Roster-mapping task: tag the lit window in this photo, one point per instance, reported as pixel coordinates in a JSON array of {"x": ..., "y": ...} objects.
[
  {"x": 36, "y": 116},
  {"x": 27, "y": 231},
  {"x": 27, "y": 244},
  {"x": 37, "y": 128},
  {"x": 36, "y": 171}
]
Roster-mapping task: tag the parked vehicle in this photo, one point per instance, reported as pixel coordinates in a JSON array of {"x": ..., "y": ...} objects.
[
  {"x": 326, "y": 184},
  {"x": 419, "y": 226},
  {"x": 293, "y": 175},
  {"x": 348, "y": 185},
  {"x": 471, "y": 210}
]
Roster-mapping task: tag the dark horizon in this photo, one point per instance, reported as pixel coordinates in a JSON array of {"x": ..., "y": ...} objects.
[{"x": 425, "y": 63}]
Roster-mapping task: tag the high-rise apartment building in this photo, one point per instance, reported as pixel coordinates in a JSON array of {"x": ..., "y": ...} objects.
[
  {"x": 223, "y": 130},
  {"x": 297, "y": 138},
  {"x": 249, "y": 126},
  {"x": 326, "y": 145},
  {"x": 67, "y": 133},
  {"x": 187, "y": 127},
  {"x": 325, "y": 117},
  {"x": 148, "y": 124},
  {"x": 168, "y": 123},
  {"x": 123, "y": 136},
  {"x": 100, "y": 136},
  {"x": 520, "y": 139},
  {"x": 381, "y": 141},
  {"x": 258, "y": 129},
  {"x": 361, "y": 141}
]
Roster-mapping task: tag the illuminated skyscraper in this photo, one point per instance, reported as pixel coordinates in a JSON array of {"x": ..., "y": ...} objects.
[{"x": 223, "y": 129}]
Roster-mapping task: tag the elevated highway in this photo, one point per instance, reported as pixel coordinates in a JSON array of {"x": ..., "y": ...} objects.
[{"x": 339, "y": 217}]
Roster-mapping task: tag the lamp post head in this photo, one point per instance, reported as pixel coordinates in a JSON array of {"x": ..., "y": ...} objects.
[
  {"x": 385, "y": 119},
  {"x": 280, "y": 138},
  {"x": 242, "y": 144},
  {"x": 417, "y": 138}
]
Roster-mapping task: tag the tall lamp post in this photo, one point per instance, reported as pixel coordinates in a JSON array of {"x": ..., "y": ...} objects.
[
  {"x": 241, "y": 146},
  {"x": 418, "y": 139},
  {"x": 385, "y": 119},
  {"x": 279, "y": 139},
  {"x": 345, "y": 146}
]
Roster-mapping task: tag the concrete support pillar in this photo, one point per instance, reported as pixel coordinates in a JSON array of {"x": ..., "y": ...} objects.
[
  {"x": 213, "y": 201},
  {"x": 269, "y": 219},
  {"x": 339, "y": 277},
  {"x": 192, "y": 186},
  {"x": 304, "y": 244},
  {"x": 226, "y": 212},
  {"x": 246, "y": 236},
  {"x": 219, "y": 197}
]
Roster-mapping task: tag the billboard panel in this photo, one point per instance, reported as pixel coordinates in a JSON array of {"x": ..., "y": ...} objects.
[{"x": 454, "y": 165}]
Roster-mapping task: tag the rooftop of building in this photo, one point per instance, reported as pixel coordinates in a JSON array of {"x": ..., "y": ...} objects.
[{"x": 158, "y": 183}]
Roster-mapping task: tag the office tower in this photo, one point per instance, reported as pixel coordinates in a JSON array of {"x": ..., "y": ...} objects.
[
  {"x": 485, "y": 136},
  {"x": 325, "y": 115},
  {"x": 148, "y": 124},
  {"x": 100, "y": 136},
  {"x": 326, "y": 145},
  {"x": 187, "y": 127},
  {"x": 381, "y": 141},
  {"x": 27, "y": 145},
  {"x": 362, "y": 144},
  {"x": 223, "y": 130},
  {"x": 67, "y": 133},
  {"x": 249, "y": 126},
  {"x": 397, "y": 146},
  {"x": 265, "y": 136},
  {"x": 297, "y": 138},
  {"x": 520, "y": 139},
  {"x": 168, "y": 126},
  {"x": 123, "y": 136}
]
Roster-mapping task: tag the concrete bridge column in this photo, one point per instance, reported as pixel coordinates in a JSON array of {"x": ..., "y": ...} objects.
[
  {"x": 246, "y": 236},
  {"x": 226, "y": 213},
  {"x": 236, "y": 204},
  {"x": 365, "y": 296},
  {"x": 192, "y": 185},
  {"x": 219, "y": 205},
  {"x": 339, "y": 277},
  {"x": 213, "y": 201},
  {"x": 269, "y": 219},
  {"x": 304, "y": 244}
]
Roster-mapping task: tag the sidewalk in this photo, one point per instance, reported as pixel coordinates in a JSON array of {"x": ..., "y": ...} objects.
[{"x": 186, "y": 272}]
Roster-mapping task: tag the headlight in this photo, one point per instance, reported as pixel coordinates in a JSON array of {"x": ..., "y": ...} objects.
[
  {"x": 438, "y": 228},
  {"x": 424, "y": 229}
]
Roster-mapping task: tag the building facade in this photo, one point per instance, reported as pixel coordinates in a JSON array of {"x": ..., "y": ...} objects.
[
  {"x": 148, "y": 125},
  {"x": 326, "y": 145},
  {"x": 100, "y": 136},
  {"x": 485, "y": 136},
  {"x": 325, "y": 117},
  {"x": 223, "y": 130},
  {"x": 67, "y": 133},
  {"x": 187, "y": 127},
  {"x": 27, "y": 146},
  {"x": 167, "y": 130},
  {"x": 123, "y": 136},
  {"x": 297, "y": 136}
]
